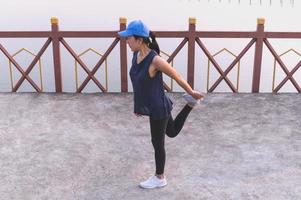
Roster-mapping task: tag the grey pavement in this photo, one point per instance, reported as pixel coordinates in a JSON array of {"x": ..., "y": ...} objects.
[{"x": 92, "y": 146}]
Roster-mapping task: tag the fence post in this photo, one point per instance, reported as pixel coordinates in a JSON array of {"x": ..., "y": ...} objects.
[
  {"x": 123, "y": 58},
  {"x": 56, "y": 54},
  {"x": 258, "y": 55},
  {"x": 191, "y": 52}
]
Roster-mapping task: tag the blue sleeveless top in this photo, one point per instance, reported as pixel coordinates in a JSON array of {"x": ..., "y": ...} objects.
[{"x": 149, "y": 95}]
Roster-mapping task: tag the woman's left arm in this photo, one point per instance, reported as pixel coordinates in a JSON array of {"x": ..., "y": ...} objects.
[{"x": 163, "y": 66}]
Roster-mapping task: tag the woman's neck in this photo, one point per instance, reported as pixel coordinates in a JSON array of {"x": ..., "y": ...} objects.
[{"x": 144, "y": 51}]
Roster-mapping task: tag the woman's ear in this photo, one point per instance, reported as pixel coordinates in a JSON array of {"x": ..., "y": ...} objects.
[{"x": 140, "y": 40}]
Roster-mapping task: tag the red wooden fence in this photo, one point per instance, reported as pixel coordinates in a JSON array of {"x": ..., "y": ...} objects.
[{"x": 191, "y": 36}]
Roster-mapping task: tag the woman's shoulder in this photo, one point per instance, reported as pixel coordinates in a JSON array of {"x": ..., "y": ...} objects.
[
  {"x": 157, "y": 58},
  {"x": 154, "y": 55},
  {"x": 153, "y": 52}
]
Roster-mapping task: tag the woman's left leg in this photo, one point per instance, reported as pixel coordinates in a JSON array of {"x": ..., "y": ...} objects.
[{"x": 158, "y": 129}]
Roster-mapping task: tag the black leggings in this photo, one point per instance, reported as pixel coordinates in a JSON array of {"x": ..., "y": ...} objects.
[{"x": 171, "y": 128}]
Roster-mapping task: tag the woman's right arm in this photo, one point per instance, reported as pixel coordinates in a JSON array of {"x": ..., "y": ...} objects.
[{"x": 161, "y": 65}]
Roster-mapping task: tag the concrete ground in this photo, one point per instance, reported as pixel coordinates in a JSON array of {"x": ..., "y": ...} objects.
[{"x": 92, "y": 146}]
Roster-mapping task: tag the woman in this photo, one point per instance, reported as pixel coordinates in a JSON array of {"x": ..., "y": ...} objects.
[{"x": 149, "y": 95}]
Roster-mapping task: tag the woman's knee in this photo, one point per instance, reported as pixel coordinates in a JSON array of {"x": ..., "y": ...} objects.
[
  {"x": 158, "y": 144},
  {"x": 171, "y": 134}
]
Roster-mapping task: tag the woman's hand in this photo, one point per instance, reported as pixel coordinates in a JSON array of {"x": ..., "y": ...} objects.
[{"x": 197, "y": 95}]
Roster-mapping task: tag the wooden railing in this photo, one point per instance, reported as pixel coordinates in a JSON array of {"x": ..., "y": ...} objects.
[{"x": 191, "y": 37}]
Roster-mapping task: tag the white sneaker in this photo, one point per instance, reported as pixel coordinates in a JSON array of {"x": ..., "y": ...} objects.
[
  {"x": 153, "y": 182},
  {"x": 190, "y": 100}
]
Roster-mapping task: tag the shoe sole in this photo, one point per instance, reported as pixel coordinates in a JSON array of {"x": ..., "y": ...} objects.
[{"x": 160, "y": 186}]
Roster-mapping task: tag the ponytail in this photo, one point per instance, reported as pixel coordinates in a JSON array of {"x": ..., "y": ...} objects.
[
  {"x": 150, "y": 42},
  {"x": 153, "y": 43}
]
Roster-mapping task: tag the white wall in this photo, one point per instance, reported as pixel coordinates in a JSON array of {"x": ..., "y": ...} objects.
[{"x": 159, "y": 15}]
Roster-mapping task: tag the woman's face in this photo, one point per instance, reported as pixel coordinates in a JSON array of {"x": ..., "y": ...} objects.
[{"x": 134, "y": 44}]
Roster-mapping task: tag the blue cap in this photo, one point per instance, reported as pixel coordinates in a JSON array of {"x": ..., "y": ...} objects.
[{"x": 135, "y": 28}]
